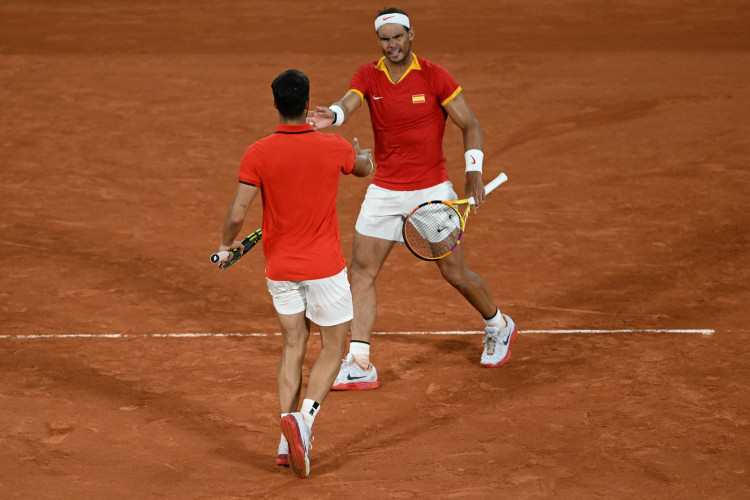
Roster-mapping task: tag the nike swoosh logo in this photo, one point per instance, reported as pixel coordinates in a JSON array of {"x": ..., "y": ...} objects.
[
  {"x": 377, "y": 98},
  {"x": 505, "y": 342},
  {"x": 349, "y": 377},
  {"x": 386, "y": 18},
  {"x": 473, "y": 161}
]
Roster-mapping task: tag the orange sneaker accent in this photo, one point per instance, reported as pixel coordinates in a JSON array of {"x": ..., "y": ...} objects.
[
  {"x": 299, "y": 460},
  {"x": 352, "y": 386}
]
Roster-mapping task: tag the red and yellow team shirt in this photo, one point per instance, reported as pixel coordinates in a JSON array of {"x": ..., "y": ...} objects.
[
  {"x": 297, "y": 171},
  {"x": 408, "y": 122}
]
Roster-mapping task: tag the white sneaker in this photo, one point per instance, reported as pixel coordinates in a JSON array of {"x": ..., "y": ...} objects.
[
  {"x": 282, "y": 458},
  {"x": 351, "y": 376},
  {"x": 497, "y": 344},
  {"x": 297, "y": 433}
]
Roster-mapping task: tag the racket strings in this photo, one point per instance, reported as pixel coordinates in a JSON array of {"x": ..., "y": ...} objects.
[{"x": 433, "y": 230}]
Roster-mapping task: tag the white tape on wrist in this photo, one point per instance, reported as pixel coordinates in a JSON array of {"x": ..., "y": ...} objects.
[
  {"x": 474, "y": 159},
  {"x": 338, "y": 115}
]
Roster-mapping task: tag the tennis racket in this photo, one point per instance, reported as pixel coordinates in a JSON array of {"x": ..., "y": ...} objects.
[
  {"x": 434, "y": 229},
  {"x": 234, "y": 254}
]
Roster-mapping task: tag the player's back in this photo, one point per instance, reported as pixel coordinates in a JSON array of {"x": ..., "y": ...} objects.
[{"x": 298, "y": 171}]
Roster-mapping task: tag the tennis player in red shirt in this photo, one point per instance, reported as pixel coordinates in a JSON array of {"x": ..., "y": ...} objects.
[
  {"x": 409, "y": 99},
  {"x": 297, "y": 170}
]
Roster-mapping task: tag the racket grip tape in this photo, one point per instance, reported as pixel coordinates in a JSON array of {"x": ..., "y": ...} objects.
[
  {"x": 219, "y": 256},
  {"x": 235, "y": 253}
]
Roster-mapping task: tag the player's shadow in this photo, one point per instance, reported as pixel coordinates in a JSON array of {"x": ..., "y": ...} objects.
[{"x": 219, "y": 434}]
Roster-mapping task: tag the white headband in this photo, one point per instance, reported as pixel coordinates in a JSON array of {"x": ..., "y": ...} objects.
[{"x": 392, "y": 18}]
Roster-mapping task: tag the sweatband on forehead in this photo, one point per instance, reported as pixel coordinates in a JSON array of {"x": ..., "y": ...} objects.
[{"x": 392, "y": 18}]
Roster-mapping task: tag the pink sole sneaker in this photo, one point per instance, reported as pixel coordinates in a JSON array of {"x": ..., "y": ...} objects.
[
  {"x": 282, "y": 460},
  {"x": 352, "y": 386},
  {"x": 507, "y": 356},
  {"x": 299, "y": 460}
]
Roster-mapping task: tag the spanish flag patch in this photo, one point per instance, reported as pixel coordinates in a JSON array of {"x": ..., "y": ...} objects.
[{"x": 417, "y": 99}]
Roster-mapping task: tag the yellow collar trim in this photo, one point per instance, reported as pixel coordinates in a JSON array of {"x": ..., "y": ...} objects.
[{"x": 413, "y": 66}]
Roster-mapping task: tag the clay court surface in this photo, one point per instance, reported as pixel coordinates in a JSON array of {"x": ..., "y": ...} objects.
[{"x": 623, "y": 127}]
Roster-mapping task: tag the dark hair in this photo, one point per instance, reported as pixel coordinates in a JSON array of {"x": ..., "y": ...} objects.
[
  {"x": 392, "y": 10},
  {"x": 291, "y": 90}
]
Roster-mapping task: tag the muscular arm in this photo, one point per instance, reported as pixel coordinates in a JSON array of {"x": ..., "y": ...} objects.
[
  {"x": 236, "y": 216},
  {"x": 460, "y": 112},
  {"x": 322, "y": 117}
]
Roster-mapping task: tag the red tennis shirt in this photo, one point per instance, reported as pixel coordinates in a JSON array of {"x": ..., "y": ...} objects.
[
  {"x": 297, "y": 171},
  {"x": 408, "y": 122}
]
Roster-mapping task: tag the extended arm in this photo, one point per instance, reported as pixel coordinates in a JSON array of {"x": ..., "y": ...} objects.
[
  {"x": 460, "y": 112},
  {"x": 322, "y": 117},
  {"x": 236, "y": 216}
]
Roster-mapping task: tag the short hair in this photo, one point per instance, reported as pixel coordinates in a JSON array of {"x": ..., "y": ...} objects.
[
  {"x": 392, "y": 10},
  {"x": 291, "y": 90}
]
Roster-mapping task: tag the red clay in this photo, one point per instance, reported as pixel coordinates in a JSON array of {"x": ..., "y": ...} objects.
[{"x": 622, "y": 126}]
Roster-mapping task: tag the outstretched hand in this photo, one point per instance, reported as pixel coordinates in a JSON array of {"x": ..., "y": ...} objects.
[{"x": 320, "y": 118}]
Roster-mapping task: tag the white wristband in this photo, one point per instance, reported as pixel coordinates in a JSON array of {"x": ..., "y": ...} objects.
[
  {"x": 474, "y": 159},
  {"x": 338, "y": 115}
]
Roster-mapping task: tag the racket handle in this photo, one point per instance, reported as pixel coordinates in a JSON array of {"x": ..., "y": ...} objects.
[
  {"x": 219, "y": 256},
  {"x": 491, "y": 186}
]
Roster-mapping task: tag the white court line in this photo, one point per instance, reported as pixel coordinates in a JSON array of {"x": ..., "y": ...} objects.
[
  {"x": 453, "y": 332},
  {"x": 702, "y": 331},
  {"x": 524, "y": 332}
]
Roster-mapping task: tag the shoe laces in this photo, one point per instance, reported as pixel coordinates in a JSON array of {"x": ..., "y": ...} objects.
[
  {"x": 491, "y": 336},
  {"x": 310, "y": 439},
  {"x": 354, "y": 367}
]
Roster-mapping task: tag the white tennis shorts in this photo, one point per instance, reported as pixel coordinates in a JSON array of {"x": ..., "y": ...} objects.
[
  {"x": 326, "y": 301},
  {"x": 383, "y": 211}
]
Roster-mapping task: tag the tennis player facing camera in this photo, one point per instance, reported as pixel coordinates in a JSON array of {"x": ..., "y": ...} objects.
[
  {"x": 297, "y": 170},
  {"x": 409, "y": 99}
]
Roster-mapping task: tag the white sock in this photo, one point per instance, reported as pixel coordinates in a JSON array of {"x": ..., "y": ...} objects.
[
  {"x": 309, "y": 410},
  {"x": 497, "y": 321},
  {"x": 361, "y": 352}
]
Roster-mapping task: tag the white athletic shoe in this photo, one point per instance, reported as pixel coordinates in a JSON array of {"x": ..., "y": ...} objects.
[
  {"x": 351, "y": 376},
  {"x": 282, "y": 458},
  {"x": 297, "y": 433},
  {"x": 497, "y": 343}
]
